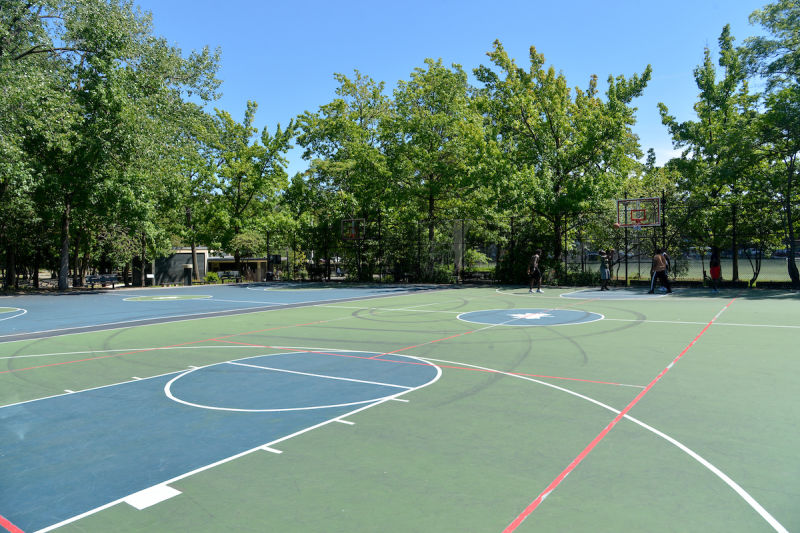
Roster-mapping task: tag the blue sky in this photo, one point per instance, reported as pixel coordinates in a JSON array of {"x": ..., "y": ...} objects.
[{"x": 283, "y": 54}]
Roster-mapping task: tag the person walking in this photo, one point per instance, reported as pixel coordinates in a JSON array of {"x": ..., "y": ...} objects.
[
  {"x": 606, "y": 261},
  {"x": 658, "y": 270},
  {"x": 668, "y": 265},
  {"x": 534, "y": 274},
  {"x": 715, "y": 268}
]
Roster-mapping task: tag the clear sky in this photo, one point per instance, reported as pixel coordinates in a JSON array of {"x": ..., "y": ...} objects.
[{"x": 283, "y": 54}]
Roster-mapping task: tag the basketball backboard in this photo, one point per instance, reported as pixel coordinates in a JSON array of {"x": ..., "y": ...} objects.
[{"x": 639, "y": 212}]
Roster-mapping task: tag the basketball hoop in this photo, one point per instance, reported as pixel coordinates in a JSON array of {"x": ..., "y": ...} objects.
[
  {"x": 352, "y": 229},
  {"x": 637, "y": 213}
]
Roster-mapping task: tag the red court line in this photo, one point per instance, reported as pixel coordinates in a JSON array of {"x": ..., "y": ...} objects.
[
  {"x": 581, "y": 456},
  {"x": 423, "y": 344},
  {"x": 373, "y": 358},
  {"x": 11, "y": 528},
  {"x": 143, "y": 350},
  {"x": 243, "y": 343}
]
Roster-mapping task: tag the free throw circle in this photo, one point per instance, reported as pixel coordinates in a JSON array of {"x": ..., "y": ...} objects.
[{"x": 530, "y": 317}]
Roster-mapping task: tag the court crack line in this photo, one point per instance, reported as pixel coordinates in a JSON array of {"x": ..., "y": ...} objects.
[
  {"x": 696, "y": 456},
  {"x": 623, "y": 414}
]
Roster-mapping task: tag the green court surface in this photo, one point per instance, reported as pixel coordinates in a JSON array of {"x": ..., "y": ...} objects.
[{"x": 676, "y": 413}]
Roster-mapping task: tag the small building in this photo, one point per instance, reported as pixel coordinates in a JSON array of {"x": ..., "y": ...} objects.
[
  {"x": 172, "y": 269},
  {"x": 252, "y": 268}
]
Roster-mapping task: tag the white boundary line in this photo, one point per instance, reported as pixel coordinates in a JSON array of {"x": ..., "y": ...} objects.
[
  {"x": 637, "y": 296},
  {"x": 732, "y": 484},
  {"x": 702, "y": 323},
  {"x": 281, "y": 289},
  {"x": 195, "y": 347},
  {"x": 198, "y": 316},
  {"x": 14, "y": 316},
  {"x": 247, "y": 452},
  {"x": 388, "y": 309},
  {"x": 538, "y": 296},
  {"x": 299, "y": 348},
  {"x": 190, "y": 316},
  {"x": 601, "y": 317},
  {"x": 168, "y": 298},
  {"x": 694, "y": 455},
  {"x": 127, "y": 382},
  {"x": 249, "y": 302}
]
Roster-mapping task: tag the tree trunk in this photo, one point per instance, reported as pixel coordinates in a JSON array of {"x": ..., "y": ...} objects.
[
  {"x": 36, "y": 257},
  {"x": 143, "y": 274},
  {"x": 512, "y": 255},
  {"x": 76, "y": 261},
  {"x": 195, "y": 273},
  {"x": 11, "y": 266},
  {"x": 87, "y": 260},
  {"x": 734, "y": 245},
  {"x": 431, "y": 232},
  {"x": 125, "y": 271},
  {"x": 327, "y": 253},
  {"x": 790, "y": 261},
  {"x": 63, "y": 272},
  {"x": 269, "y": 262},
  {"x": 557, "y": 235}
]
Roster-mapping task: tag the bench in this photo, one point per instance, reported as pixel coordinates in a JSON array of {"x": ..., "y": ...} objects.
[
  {"x": 102, "y": 280},
  {"x": 230, "y": 275},
  {"x": 476, "y": 275}
]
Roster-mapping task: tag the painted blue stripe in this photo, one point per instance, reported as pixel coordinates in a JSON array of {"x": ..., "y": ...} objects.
[
  {"x": 47, "y": 312},
  {"x": 69, "y": 454}
]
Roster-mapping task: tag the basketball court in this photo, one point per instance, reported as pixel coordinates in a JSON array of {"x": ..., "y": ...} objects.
[{"x": 357, "y": 408}]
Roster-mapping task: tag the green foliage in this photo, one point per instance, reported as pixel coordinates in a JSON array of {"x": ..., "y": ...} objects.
[
  {"x": 212, "y": 278},
  {"x": 107, "y": 154},
  {"x": 475, "y": 260},
  {"x": 776, "y": 57},
  {"x": 96, "y": 93},
  {"x": 249, "y": 174},
  {"x": 566, "y": 151}
]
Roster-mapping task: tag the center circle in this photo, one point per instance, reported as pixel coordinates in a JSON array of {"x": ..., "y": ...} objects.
[
  {"x": 300, "y": 381},
  {"x": 527, "y": 317}
]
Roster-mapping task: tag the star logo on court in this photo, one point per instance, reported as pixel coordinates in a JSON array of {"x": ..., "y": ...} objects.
[{"x": 531, "y": 316}]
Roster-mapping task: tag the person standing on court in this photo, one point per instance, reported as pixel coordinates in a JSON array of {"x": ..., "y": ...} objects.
[
  {"x": 659, "y": 270},
  {"x": 715, "y": 268},
  {"x": 606, "y": 260},
  {"x": 534, "y": 274},
  {"x": 668, "y": 265}
]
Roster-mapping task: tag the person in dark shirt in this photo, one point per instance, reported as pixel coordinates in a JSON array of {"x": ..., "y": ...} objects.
[
  {"x": 534, "y": 274},
  {"x": 715, "y": 268},
  {"x": 659, "y": 270}
]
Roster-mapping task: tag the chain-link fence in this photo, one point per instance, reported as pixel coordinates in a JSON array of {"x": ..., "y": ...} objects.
[{"x": 753, "y": 240}]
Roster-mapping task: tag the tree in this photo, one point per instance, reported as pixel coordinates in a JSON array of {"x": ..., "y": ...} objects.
[
  {"x": 781, "y": 133},
  {"x": 776, "y": 58},
  {"x": 111, "y": 83},
  {"x": 433, "y": 141},
  {"x": 720, "y": 146},
  {"x": 566, "y": 150},
  {"x": 191, "y": 156},
  {"x": 31, "y": 105},
  {"x": 349, "y": 171},
  {"x": 250, "y": 175}
]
